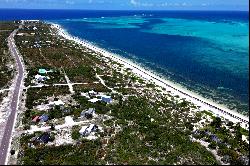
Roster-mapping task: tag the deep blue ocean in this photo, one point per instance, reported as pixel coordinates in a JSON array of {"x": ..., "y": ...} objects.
[{"x": 205, "y": 51}]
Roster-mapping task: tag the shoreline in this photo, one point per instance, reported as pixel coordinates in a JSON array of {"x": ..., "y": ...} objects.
[{"x": 175, "y": 89}]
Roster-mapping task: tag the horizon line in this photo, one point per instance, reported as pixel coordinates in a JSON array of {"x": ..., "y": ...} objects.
[{"x": 127, "y": 9}]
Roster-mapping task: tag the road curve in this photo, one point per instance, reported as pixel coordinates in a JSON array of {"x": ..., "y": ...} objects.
[{"x": 6, "y": 140}]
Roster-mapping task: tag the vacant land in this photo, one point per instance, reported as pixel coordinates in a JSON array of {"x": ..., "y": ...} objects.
[{"x": 6, "y": 61}]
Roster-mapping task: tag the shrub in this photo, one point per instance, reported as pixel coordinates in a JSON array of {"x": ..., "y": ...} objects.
[{"x": 212, "y": 145}]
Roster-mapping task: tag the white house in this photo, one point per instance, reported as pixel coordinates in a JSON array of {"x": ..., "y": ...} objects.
[
  {"x": 85, "y": 95},
  {"x": 94, "y": 100},
  {"x": 92, "y": 93},
  {"x": 86, "y": 130},
  {"x": 83, "y": 129},
  {"x": 38, "y": 77},
  {"x": 57, "y": 103}
]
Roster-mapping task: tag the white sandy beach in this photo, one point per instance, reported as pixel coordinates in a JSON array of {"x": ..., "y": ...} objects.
[{"x": 205, "y": 104}]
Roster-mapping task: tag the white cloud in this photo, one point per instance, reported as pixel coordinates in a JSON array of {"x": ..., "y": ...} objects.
[
  {"x": 166, "y": 4},
  {"x": 134, "y": 2},
  {"x": 137, "y": 3},
  {"x": 70, "y": 2}
]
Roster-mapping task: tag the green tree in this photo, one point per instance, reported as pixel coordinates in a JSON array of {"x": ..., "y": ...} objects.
[
  {"x": 238, "y": 134},
  {"x": 75, "y": 135},
  {"x": 216, "y": 122},
  {"x": 212, "y": 145}
]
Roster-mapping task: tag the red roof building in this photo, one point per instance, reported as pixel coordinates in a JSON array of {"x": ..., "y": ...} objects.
[{"x": 35, "y": 119}]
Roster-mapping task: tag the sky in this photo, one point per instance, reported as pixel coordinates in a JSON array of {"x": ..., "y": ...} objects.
[{"x": 128, "y": 4}]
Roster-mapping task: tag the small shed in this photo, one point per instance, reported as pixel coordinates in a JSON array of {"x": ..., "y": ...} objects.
[{"x": 66, "y": 110}]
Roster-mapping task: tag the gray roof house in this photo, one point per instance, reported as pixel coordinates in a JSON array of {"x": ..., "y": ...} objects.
[
  {"x": 86, "y": 130},
  {"x": 89, "y": 113}
]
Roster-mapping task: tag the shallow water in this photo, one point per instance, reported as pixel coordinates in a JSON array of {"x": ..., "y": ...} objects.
[{"x": 206, "y": 56}]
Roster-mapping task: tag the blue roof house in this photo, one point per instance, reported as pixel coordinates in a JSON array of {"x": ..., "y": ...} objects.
[
  {"x": 107, "y": 99},
  {"x": 44, "y": 138},
  {"x": 44, "y": 118},
  {"x": 42, "y": 71}
]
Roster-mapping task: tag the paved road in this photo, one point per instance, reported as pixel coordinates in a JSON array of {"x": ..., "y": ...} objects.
[{"x": 4, "y": 147}]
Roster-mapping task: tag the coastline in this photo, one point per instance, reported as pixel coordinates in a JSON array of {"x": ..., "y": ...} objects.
[{"x": 205, "y": 104}]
